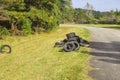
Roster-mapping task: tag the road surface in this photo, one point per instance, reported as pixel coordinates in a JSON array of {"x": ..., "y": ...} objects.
[{"x": 105, "y": 46}]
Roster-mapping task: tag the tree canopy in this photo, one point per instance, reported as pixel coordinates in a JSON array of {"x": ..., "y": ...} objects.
[{"x": 42, "y": 15}]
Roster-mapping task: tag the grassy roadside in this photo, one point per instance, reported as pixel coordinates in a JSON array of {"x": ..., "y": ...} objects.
[
  {"x": 34, "y": 58},
  {"x": 112, "y": 26}
]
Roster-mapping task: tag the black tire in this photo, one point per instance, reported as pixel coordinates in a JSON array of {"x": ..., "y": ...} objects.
[
  {"x": 77, "y": 46},
  {"x": 69, "y": 46},
  {"x": 5, "y": 49},
  {"x": 84, "y": 43},
  {"x": 59, "y": 44},
  {"x": 70, "y": 35}
]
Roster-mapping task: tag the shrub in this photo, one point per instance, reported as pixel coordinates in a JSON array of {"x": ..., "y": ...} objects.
[
  {"x": 36, "y": 20},
  {"x": 24, "y": 24},
  {"x": 16, "y": 6},
  {"x": 51, "y": 24},
  {"x": 42, "y": 19},
  {"x": 4, "y": 31}
]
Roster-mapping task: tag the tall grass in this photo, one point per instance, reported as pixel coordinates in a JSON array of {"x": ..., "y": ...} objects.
[{"x": 34, "y": 58}]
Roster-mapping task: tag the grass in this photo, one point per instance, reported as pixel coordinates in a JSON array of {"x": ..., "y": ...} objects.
[
  {"x": 112, "y": 26},
  {"x": 34, "y": 58}
]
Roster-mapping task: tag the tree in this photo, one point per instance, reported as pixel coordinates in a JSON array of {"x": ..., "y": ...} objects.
[
  {"x": 79, "y": 16},
  {"x": 89, "y": 13},
  {"x": 89, "y": 9}
]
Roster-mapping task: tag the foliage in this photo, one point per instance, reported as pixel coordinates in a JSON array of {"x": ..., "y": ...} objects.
[
  {"x": 17, "y": 7},
  {"x": 44, "y": 14},
  {"x": 24, "y": 24},
  {"x": 96, "y": 17},
  {"x": 4, "y": 31},
  {"x": 26, "y": 16}
]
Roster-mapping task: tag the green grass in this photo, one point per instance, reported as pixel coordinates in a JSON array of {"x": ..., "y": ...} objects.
[
  {"x": 112, "y": 26},
  {"x": 34, "y": 58}
]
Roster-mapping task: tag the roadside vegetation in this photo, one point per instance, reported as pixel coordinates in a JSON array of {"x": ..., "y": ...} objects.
[
  {"x": 23, "y": 17},
  {"x": 34, "y": 58}
]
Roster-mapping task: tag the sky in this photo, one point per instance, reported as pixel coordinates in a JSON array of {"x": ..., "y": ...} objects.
[{"x": 99, "y": 5}]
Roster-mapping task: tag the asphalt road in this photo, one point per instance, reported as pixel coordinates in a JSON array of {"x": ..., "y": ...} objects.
[{"x": 105, "y": 46}]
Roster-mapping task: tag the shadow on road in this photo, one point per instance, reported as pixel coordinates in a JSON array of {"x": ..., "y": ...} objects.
[
  {"x": 109, "y": 51},
  {"x": 110, "y": 55},
  {"x": 104, "y": 46},
  {"x": 110, "y": 61}
]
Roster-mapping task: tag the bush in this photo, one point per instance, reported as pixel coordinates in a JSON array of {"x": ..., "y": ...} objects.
[
  {"x": 4, "y": 31},
  {"x": 35, "y": 20},
  {"x": 24, "y": 24},
  {"x": 51, "y": 24},
  {"x": 42, "y": 19},
  {"x": 16, "y": 6}
]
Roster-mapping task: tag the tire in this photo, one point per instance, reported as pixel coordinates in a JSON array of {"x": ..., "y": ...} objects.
[
  {"x": 70, "y": 35},
  {"x": 5, "y": 49},
  {"x": 84, "y": 42},
  {"x": 77, "y": 46},
  {"x": 69, "y": 46},
  {"x": 59, "y": 44}
]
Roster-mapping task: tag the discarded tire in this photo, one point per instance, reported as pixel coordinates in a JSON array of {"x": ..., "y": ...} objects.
[
  {"x": 60, "y": 43},
  {"x": 5, "y": 49},
  {"x": 84, "y": 42},
  {"x": 77, "y": 46},
  {"x": 72, "y": 42},
  {"x": 69, "y": 46},
  {"x": 70, "y": 35}
]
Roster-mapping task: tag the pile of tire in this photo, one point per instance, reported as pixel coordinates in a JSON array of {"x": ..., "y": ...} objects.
[{"x": 72, "y": 43}]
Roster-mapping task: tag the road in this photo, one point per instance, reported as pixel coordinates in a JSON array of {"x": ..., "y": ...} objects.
[{"x": 105, "y": 46}]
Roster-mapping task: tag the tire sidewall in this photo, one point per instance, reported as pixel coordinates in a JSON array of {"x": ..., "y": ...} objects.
[
  {"x": 3, "y": 46},
  {"x": 66, "y": 49},
  {"x": 77, "y": 46}
]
